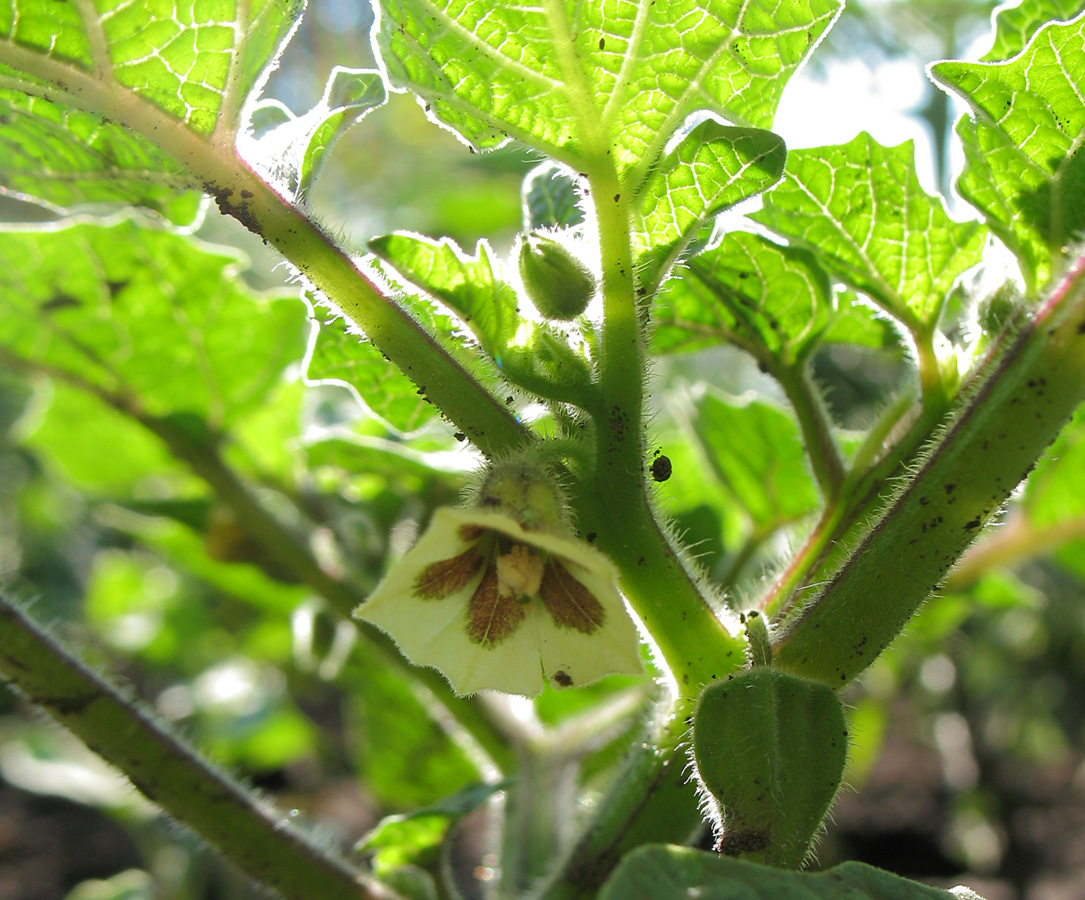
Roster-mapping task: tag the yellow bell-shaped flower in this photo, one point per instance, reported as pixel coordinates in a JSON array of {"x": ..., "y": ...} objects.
[{"x": 492, "y": 604}]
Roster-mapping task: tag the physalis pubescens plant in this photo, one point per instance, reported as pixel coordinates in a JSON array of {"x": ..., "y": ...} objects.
[{"x": 504, "y": 596}]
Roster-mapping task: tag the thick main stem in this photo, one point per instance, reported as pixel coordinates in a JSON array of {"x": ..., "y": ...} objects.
[
  {"x": 257, "y": 838},
  {"x": 1002, "y": 423}
]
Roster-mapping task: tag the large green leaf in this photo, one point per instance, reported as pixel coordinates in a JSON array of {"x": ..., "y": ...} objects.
[
  {"x": 860, "y": 207},
  {"x": 711, "y": 169},
  {"x": 68, "y": 69},
  {"x": 150, "y": 318},
  {"x": 756, "y": 450},
  {"x": 1015, "y": 25},
  {"x": 574, "y": 78},
  {"x": 1024, "y": 171},
  {"x": 771, "y": 300},
  {"x": 659, "y": 871}
]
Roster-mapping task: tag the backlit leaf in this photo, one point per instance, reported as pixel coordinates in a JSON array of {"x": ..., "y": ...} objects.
[
  {"x": 1021, "y": 143},
  {"x": 578, "y": 78},
  {"x": 771, "y": 300},
  {"x": 67, "y": 69},
  {"x": 860, "y": 207},
  {"x": 712, "y": 169}
]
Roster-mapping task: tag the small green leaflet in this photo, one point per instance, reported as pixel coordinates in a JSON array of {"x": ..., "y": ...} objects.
[
  {"x": 471, "y": 286},
  {"x": 292, "y": 148},
  {"x": 68, "y": 73},
  {"x": 711, "y": 169},
  {"x": 860, "y": 207},
  {"x": 550, "y": 198},
  {"x": 1024, "y": 170},
  {"x": 339, "y": 356},
  {"x": 576, "y": 79}
]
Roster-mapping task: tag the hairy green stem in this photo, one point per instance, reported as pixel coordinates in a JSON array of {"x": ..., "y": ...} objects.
[
  {"x": 1017, "y": 404},
  {"x": 821, "y": 448},
  {"x": 244, "y": 195},
  {"x": 258, "y": 839}
]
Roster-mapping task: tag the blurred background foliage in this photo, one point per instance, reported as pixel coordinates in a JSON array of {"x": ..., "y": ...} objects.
[{"x": 968, "y": 757}]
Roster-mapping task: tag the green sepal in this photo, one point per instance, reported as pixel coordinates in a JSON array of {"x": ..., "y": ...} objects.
[{"x": 770, "y": 749}]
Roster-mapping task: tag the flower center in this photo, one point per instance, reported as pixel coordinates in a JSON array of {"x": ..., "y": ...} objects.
[{"x": 519, "y": 573}]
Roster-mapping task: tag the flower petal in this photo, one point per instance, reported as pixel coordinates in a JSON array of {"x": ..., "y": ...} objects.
[
  {"x": 570, "y": 604},
  {"x": 491, "y": 617},
  {"x": 434, "y": 632},
  {"x": 571, "y": 657},
  {"x": 448, "y": 576}
]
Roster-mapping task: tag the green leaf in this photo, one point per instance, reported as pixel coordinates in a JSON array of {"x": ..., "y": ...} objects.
[
  {"x": 151, "y": 319},
  {"x": 771, "y": 300},
  {"x": 859, "y": 206},
  {"x": 1015, "y": 25},
  {"x": 711, "y": 169},
  {"x": 652, "y": 872},
  {"x": 756, "y": 451},
  {"x": 1024, "y": 171},
  {"x": 75, "y": 431},
  {"x": 339, "y": 356},
  {"x": 578, "y": 79},
  {"x": 469, "y": 285},
  {"x": 293, "y": 148},
  {"x": 405, "y": 757},
  {"x": 550, "y": 198},
  {"x": 770, "y": 748},
  {"x": 412, "y": 839},
  {"x": 855, "y": 322},
  {"x": 68, "y": 70}
]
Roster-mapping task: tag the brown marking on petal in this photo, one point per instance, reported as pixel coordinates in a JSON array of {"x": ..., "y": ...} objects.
[
  {"x": 570, "y": 604},
  {"x": 490, "y": 617},
  {"x": 563, "y": 678},
  {"x": 441, "y": 579},
  {"x": 471, "y": 532}
]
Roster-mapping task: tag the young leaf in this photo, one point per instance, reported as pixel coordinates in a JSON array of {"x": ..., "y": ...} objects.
[
  {"x": 859, "y": 206},
  {"x": 550, "y": 198},
  {"x": 771, "y": 300},
  {"x": 755, "y": 449},
  {"x": 1024, "y": 171},
  {"x": 712, "y": 169},
  {"x": 293, "y": 148},
  {"x": 70, "y": 71},
  {"x": 664, "y": 871},
  {"x": 618, "y": 78},
  {"x": 469, "y": 285},
  {"x": 339, "y": 356}
]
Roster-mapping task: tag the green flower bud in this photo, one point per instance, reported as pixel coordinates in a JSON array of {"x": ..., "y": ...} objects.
[{"x": 557, "y": 283}]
